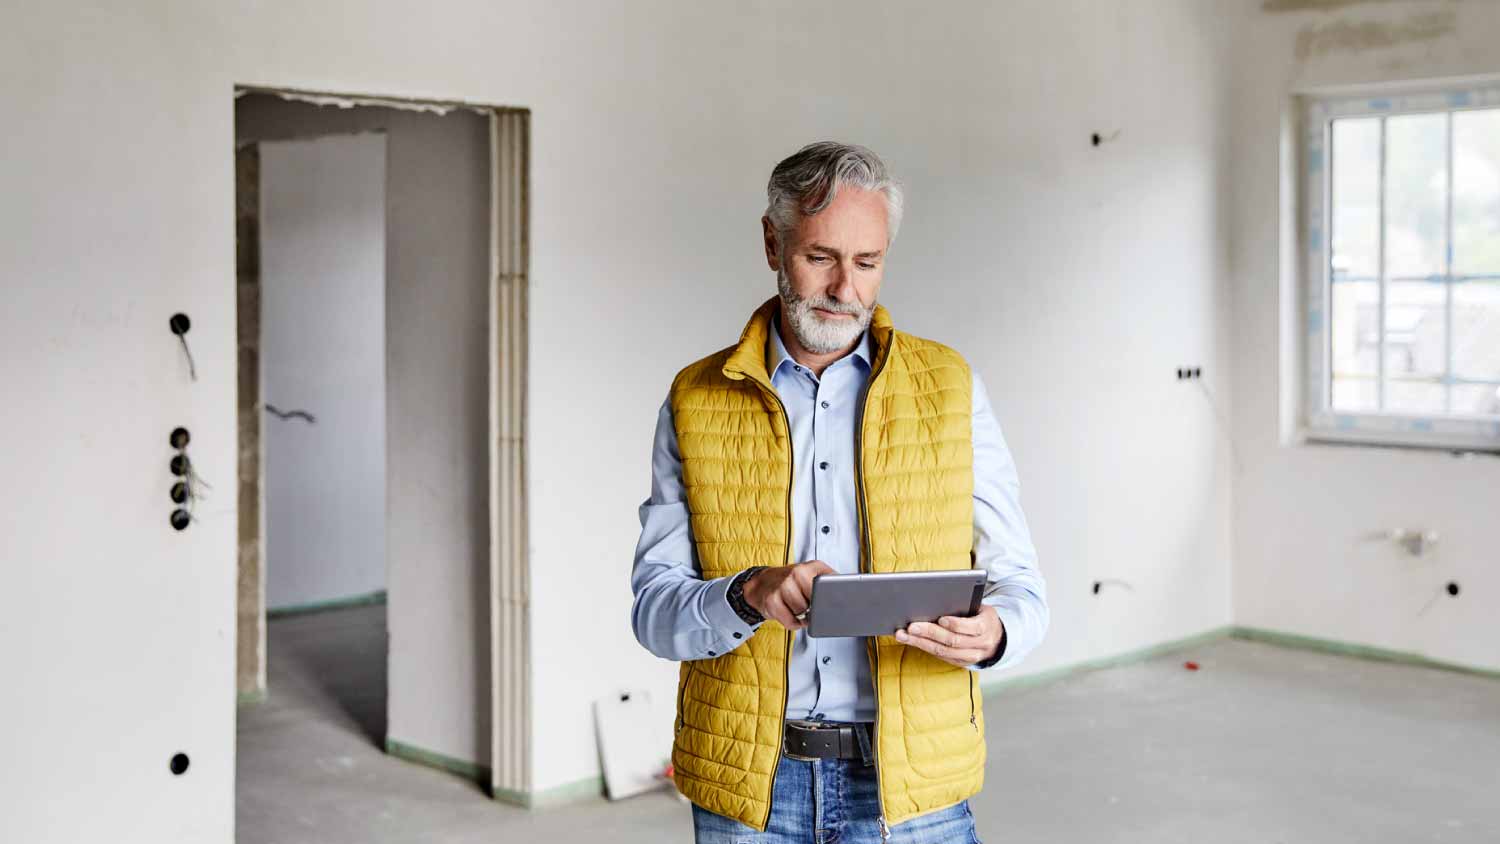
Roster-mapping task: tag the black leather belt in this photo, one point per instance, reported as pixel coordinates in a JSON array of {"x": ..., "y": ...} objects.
[{"x": 820, "y": 740}]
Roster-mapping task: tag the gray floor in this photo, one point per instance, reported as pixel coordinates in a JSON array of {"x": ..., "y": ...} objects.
[{"x": 1263, "y": 744}]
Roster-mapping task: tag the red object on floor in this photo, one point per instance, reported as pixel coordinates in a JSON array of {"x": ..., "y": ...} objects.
[{"x": 1190, "y": 665}]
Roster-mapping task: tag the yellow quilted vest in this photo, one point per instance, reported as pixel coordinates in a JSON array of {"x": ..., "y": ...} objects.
[{"x": 915, "y": 486}]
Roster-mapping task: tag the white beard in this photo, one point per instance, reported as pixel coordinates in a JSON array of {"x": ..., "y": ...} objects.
[{"x": 816, "y": 334}]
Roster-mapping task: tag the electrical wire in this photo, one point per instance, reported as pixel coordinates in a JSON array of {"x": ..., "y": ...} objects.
[
  {"x": 291, "y": 414},
  {"x": 192, "y": 368},
  {"x": 1223, "y": 424}
]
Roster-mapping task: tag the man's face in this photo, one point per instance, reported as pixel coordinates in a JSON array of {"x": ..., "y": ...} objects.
[{"x": 829, "y": 269}]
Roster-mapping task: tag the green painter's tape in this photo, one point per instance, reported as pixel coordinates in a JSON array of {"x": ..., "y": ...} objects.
[
  {"x": 376, "y": 597},
  {"x": 1051, "y": 675},
  {"x": 573, "y": 792},
  {"x": 1332, "y": 646},
  {"x": 256, "y": 696},
  {"x": 514, "y": 798},
  {"x": 1252, "y": 634},
  {"x": 432, "y": 759},
  {"x": 590, "y": 788}
]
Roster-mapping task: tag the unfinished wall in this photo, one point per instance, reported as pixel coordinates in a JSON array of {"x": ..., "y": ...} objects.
[
  {"x": 436, "y": 417},
  {"x": 1076, "y": 278},
  {"x": 1305, "y": 562},
  {"x": 322, "y": 352}
]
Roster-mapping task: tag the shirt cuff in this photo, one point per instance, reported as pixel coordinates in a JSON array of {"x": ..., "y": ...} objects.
[
  {"x": 999, "y": 655},
  {"x": 726, "y": 623}
]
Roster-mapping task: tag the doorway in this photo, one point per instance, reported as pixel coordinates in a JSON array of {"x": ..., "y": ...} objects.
[{"x": 381, "y": 281}]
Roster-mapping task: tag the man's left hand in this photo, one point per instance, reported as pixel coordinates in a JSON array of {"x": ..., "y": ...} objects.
[{"x": 956, "y": 640}]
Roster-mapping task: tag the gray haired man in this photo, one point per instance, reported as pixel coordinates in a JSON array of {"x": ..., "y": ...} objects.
[{"x": 824, "y": 440}]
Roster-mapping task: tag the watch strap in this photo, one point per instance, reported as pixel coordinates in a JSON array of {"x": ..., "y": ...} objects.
[{"x": 736, "y": 596}]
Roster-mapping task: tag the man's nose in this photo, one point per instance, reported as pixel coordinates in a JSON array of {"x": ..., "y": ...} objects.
[{"x": 843, "y": 289}]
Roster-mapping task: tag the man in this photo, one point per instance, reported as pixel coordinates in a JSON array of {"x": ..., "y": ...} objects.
[{"x": 826, "y": 441}]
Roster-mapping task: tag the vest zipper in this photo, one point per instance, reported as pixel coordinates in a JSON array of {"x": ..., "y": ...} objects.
[
  {"x": 786, "y": 657},
  {"x": 973, "y": 723},
  {"x": 867, "y": 563}
]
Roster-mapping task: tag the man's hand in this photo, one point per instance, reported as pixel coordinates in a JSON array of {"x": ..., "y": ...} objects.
[
  {"x": 955, "y": 640},
  {"x": 780, "y": 593}
]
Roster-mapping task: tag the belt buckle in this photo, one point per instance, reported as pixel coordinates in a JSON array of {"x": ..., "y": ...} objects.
[{"x": 803, "y": 725}]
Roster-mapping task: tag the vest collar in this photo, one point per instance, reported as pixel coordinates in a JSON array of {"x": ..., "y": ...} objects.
[{"x": 748, "y": 358}]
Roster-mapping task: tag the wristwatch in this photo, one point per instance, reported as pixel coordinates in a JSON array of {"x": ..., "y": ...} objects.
[{"x": 737, "y": 600}]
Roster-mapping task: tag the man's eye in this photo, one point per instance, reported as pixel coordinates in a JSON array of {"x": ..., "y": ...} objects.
[
  {"x": 867, "y": 266},
  {"x": 818, "y": 259}
]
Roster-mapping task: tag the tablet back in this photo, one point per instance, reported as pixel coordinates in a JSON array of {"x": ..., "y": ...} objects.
[{"x": 880, "y": 604}]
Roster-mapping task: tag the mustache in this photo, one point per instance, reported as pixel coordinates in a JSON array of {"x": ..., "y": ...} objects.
[{"x": 834, "y": 306}]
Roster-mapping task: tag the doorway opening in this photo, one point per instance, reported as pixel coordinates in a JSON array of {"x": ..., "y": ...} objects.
[{"x": 382, "y": 600}]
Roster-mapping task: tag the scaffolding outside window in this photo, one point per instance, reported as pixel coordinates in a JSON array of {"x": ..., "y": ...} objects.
[{"x": 1402, "y": 239}]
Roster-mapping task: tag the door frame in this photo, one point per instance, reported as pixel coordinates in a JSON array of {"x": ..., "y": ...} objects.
[
  {"x": 510, "y": 576},
  {"x": 509, "y": 593}
]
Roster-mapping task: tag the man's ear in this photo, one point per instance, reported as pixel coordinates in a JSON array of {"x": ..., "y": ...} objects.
[{"x": 773, "y": 249}]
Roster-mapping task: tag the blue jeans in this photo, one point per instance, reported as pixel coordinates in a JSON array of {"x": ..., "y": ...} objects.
[{"x": 833, "y": 801}]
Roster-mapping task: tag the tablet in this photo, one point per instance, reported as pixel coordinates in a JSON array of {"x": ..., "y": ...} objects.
[{"x": 881, "y": 604}]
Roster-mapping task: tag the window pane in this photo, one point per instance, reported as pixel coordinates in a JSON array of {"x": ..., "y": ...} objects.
[
  {"x": 1354, "y": 262},
  {"x": 1476, "y": 330},
  {"x": 1414, "y": 397},
  {"x": 1476, "y": 192},
  {"x": 1415, "y": 353},
  {"x": 1476, "y": 400},
  {"x": 1412, "y": 324},
  {"x": 1355, "y": 205},
  {"x": 1353, "y": 330},
  {"x": 1416, "y": 185}
]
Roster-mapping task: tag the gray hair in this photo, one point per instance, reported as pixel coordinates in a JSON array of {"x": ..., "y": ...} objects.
[{"x": 807, "y": 181}]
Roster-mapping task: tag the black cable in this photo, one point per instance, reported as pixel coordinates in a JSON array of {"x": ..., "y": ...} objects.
[
  {"x": 179, "y": 323},
  {"x": 289, "y": 414},
  {"x": 192, "y": 369}
]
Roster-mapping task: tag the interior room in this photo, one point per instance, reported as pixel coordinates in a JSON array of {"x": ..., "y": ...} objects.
[{"x": 339, "y": 342}]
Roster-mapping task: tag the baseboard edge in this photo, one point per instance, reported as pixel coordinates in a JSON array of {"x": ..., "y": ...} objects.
[
  {"x": 1351, "y": 649},
  {"x": 479, "y": 774},
  {"x": 1052, "y": 675}
]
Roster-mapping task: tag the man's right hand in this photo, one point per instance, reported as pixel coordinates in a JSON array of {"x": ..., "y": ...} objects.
[{"x": 781, "y": 592}]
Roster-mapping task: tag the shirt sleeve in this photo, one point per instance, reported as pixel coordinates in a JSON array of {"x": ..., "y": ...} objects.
[
  {"x": 1002, "y": 541},
  {"x": 676, "y": 613}
]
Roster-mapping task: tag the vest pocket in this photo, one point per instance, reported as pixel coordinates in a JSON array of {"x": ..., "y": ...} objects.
[
  {"x": 705, "y": 746},
  {"x": 939, "y": 727},
  {"x": 686, "y": 758}
]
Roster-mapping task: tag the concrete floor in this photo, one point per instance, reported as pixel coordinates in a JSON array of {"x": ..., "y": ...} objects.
[{"x": 1263, "y": 744}]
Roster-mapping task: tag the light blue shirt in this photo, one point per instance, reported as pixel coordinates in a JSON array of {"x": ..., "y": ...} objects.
[{"x": 679, "y": 616}]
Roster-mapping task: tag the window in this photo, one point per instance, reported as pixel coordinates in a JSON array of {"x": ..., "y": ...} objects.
[{"x": 1403, "y": 308}]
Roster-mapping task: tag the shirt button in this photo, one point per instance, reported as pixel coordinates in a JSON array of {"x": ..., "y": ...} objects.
[
  {"x": 711, "y": 653},
  {"x": 825, "y": 405},
  {"x": 825, "y": 659},
  {"x": 823, "y": 465},
  {"x": 826, "y": 528},
  {"x": 738, "y": 636},
  {"x": 798, "y": 368}
]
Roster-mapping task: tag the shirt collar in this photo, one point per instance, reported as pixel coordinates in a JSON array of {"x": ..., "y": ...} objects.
[{"x": 777, "y": 355}]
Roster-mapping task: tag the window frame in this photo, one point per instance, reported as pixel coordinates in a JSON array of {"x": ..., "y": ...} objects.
[{"x": 1320, "y": 421}]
